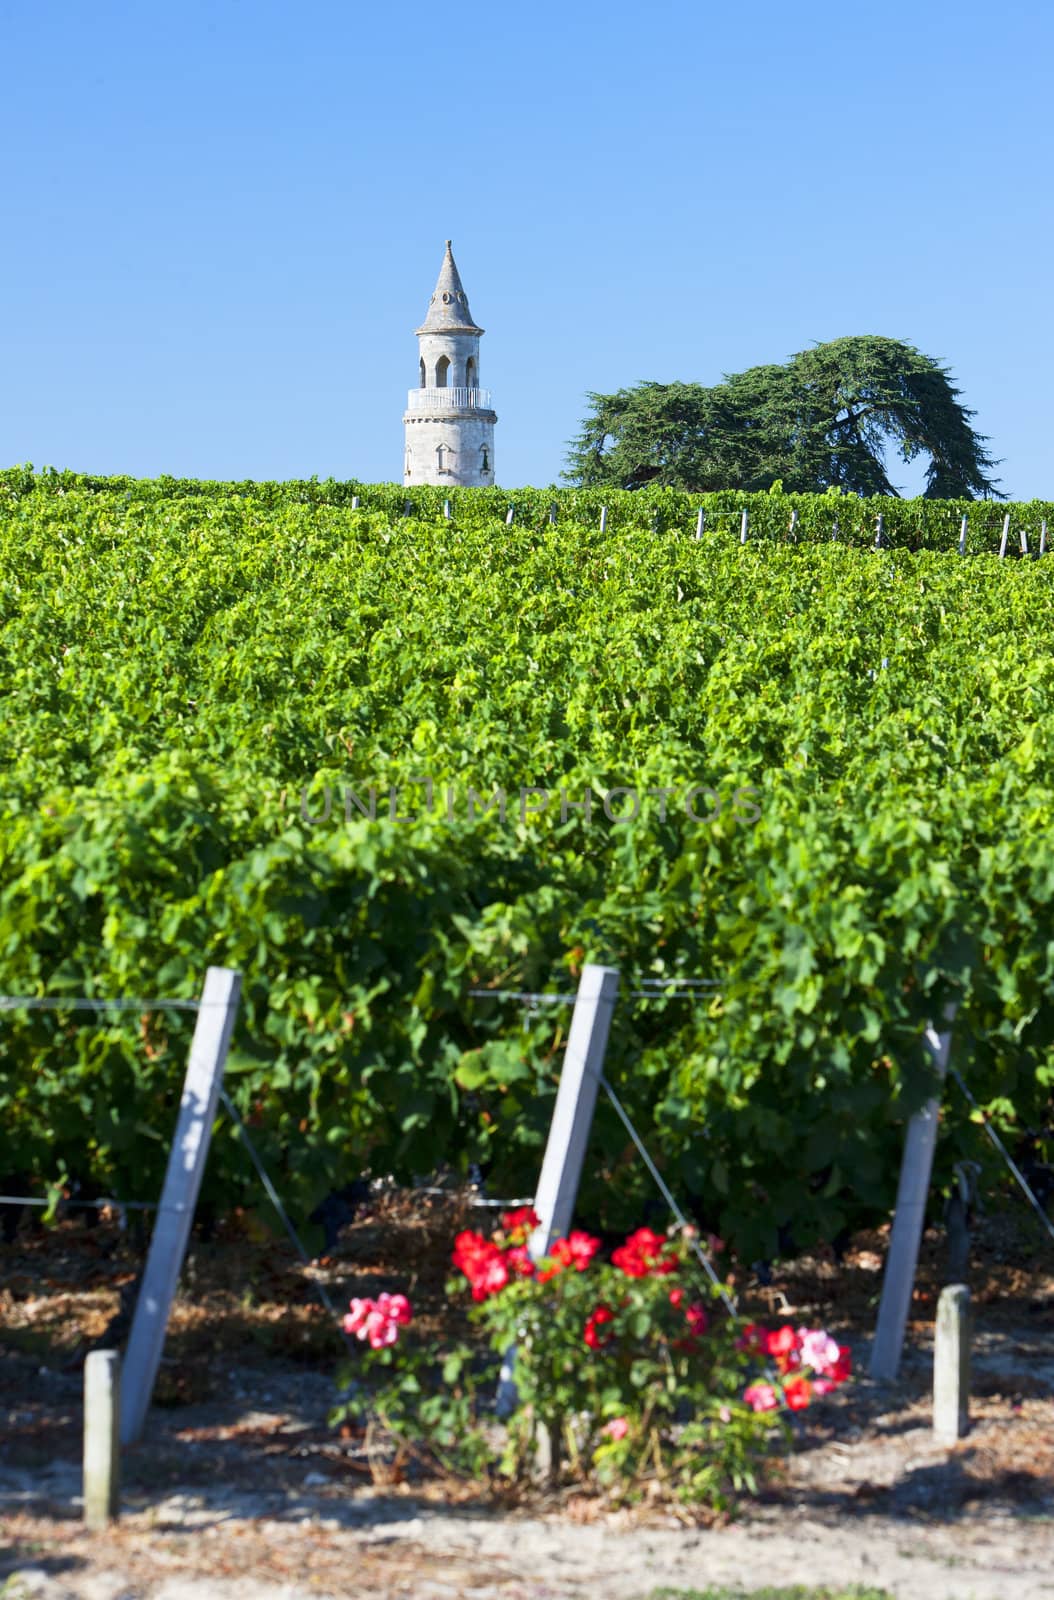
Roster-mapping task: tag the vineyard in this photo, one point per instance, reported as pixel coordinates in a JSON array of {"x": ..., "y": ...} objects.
[{"x": 836, "y": 775}]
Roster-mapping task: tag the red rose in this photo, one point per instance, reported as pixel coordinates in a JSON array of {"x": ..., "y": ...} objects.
[
  {"x": 577, "y": 1251},
  {"x": 783, "y": 1347},
  {"x": 482, "y": 1263},
  {"x": 583, "y": 1247},
  {"x": 641, "y": 1255},
  {"x": 520, "y": 1224},
  {"x": 782, "y": 1342},
  {"x": 797, "y": 1392},
  {"x": 518, "y": 1258},
  {"x": 596, "y": 1320},
  {"x": 696, "y": 1318}
]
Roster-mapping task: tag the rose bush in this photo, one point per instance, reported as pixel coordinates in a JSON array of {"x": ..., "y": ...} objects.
[{"x": 634, "y": 1383}]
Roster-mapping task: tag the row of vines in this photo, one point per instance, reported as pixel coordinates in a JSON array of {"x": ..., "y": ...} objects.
[
  {"x": 772, "y": 517},
  {"x": 195, "y": 677}
]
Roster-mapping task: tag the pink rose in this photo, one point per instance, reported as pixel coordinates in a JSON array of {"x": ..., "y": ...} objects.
[
  {"x": 396, "y": 1306},
  {"x": 380, "y": 1330},
  {"x": 617, "y": 1428},
  {"x": 761, "y": 1397},
  {"x": 817, "y": 1350},
  {"x": 356, "y": 1317}
]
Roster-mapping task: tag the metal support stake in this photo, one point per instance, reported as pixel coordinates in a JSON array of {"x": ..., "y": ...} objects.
[
  {"x": 565, "y": 1148},
  {"x": 186, "y": 1165},
  {"x": 910, "y": 1215},
  {"x": 1006, "y": 535}
]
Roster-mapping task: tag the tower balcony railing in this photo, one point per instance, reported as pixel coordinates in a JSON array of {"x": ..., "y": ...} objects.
[{"x": 471, "y": 399}]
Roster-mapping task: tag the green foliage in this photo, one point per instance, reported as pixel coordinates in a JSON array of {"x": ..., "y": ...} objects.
[
  {"x": 180, "y": 664},
  {"x": 824, "y": 419}
]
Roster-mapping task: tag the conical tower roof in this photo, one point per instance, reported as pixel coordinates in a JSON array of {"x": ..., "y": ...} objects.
[{"x": 448, "y": 310}]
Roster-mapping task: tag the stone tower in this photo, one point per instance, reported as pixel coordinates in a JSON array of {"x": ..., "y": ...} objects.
[{"x": 448, "y": 421}]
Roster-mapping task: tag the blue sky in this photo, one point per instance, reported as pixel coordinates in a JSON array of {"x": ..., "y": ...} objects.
[{"x": 224, "y": 220}]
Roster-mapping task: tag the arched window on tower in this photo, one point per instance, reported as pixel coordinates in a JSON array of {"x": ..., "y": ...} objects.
[
  {"x": 470, "y": 373},
  {"x": 442, "y": 368},
  {"x": 409, "y": 463},
  {"x": 444, "y": 458},
  {"x": 424, "y": 375},
  {"x": 484, "y": 459}
]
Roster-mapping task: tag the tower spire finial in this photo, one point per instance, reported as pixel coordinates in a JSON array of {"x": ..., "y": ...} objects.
[{"x": 448, "y": 310}]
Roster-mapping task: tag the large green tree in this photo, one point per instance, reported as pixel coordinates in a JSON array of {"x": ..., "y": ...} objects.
[{"x": 829, "y": 417}]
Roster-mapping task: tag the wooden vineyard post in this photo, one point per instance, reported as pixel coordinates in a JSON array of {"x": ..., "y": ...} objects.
[
  {"x": 102, "y": 1454},
  {"x": 951, "y": 1364},
  {"x": 879, "y": 531},
  {"x": 565, "y": 1148},
  {"x": 1043, "y": 537},
  {"x": 186, "y": 1165},
  {"x": 962, "y": 535},
  {"x": 1006, "y": 535},
  {"x": 700, "y": 522},
  {"x": 910, "y": 1215},
  {"x": 744, "y": 523},
  {"x": 603, "y": 519}
]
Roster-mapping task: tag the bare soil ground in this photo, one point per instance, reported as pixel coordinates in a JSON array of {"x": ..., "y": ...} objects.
[{"x": 240, "y": 1488}]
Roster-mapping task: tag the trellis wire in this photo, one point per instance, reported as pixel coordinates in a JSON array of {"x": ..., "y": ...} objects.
[
  {"x": 1007, "y": 1157},
  {"x": 152, "y": 1205},
  {"x": 14, "y": 1002},
  {"x": 517, "y": 994},
  {"x": 682, "y": 1220},
  {"x": 653, "y": 989},
  {"x": 85, "y": 1205},
  {"x": 480, "y": 1200},
  {"x": 273, "y": 1196}
]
